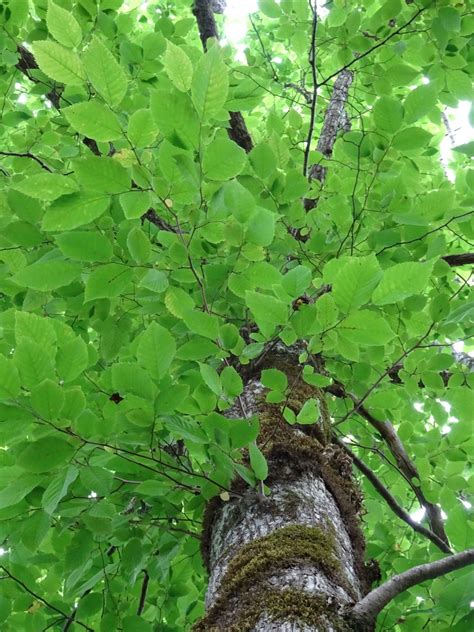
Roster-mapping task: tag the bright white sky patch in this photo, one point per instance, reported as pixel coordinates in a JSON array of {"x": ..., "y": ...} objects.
[
  {"x": 460, "y": 132},
  {"x": 418, "y": 515},
  {"x": 236, "y": 24}
]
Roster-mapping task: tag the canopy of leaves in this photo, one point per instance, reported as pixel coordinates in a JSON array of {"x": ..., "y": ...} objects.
[{"x": 144, "y": 257}]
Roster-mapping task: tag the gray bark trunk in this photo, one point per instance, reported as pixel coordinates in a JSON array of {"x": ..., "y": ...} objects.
[{"x": 292, "y": 561}]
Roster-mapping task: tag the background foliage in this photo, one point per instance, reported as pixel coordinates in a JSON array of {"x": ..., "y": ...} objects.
[{"x": 139, "y": 247}]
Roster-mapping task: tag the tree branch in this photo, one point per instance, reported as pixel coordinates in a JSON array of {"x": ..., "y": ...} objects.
[
  {"x": 27, "y": 154},
  {"x": 378, "y": 45},
  {"x": 367, "y": 609},
  {"x": 312, "y": 117},
  {"x": 335, "y": 119},
  {"x": 207, "y": 26},
  {"x": 41, "y": 599},
  {"x": 26, "y": 63},
  {"x": 462, "y": 259},
  {"x": 396, "y": 447},
  {"x": 390, "y": 500},
  {"x": 143, "y": 592}
]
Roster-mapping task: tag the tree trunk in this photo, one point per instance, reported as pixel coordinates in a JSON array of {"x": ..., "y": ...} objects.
[{"x": 292, "y": 560}]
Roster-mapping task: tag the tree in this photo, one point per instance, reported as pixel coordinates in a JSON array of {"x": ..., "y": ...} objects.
[{"x": 230, "y": 291}]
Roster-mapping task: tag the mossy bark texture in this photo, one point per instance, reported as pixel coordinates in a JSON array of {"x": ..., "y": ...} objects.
[{"x": 292, "y": 561}]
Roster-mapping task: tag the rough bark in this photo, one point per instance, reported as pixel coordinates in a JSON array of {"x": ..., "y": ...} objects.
[
  {"x": 292, "y": 560},
  {"x": 335, "y": 120}
]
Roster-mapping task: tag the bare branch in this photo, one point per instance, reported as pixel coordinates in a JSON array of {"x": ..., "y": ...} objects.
[
  {"x": 27, "y": 154},
  {"x": 143, "y": 592},
  {"x": 391, "y": 502},
  {"x": 312, "y": 117},
  {"x": 204, "y": 12},
  {"x": 366, "y": 610},
  {"x": 396, "y": 447},
  {"x": 41, "y": 599},
  {"x": 462, "y": 259}
]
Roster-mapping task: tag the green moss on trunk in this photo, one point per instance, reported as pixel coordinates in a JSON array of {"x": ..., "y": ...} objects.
[{"x": 244, "y": 592}]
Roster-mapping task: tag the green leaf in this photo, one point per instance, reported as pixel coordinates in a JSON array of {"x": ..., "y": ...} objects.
[
  {"x": 102, "y": 174},
  {"x": 35, "y": 529},
  {"x": 367, "y": 328},
  {"x": 44, "y": 455},
  {"x": 420, "y": 102},
  {"x": 72, "y": 359},
  {"x": 156, "y": 350},
  {"x": 107, "y": 281},
  {"x": 223, "y": 159},
  {"x": 47, "y": 275},
  {"x": 34, "y": 362},
  {"x": 63, "y": 26},
  {"x": 238, "y": 200},
  {"x": 412, "y": 138},
  {"x": 309, "y": 414},
  {"x": 178, "y": 67},
  {"x": 73, "y": 211},
  {"x": 9, "y": 379},
  {"x": 58, "y": 488},
  {"x": 142, "y": 129},
  {"x": 401, "y": 281},
  {"x": 296, "y": 281},
  {"x": 263, "y": 160},
  {"x": 105, "y": 73},
  {"x": 38, "y": 328},
  {"x": 274, "y": 379},
  {"x": 184, "y": 429},
  {"x": 201, "y": 323},
  {"x": 459, "y": 85},
  {"x": 155, "y": 281},
  {"x": 85, "y": 246},
  {"x": 337, "y": 16},
  {"x": 466, "y": 148},
  {"x": 210, "y": 84},
  {"x": 135, "y": 203},
  {"x": 258, "y": 462},
  {"x": 97, "y": 479},
  {"x": 46, "y": 186},
  {"x": 139, "y": 245},
  {"x": 47, "y": 399},
  {"x": 269, "y": 8},
  {"x": 129, "y": 378},
  {"x": 94, "y": 120},
  {"x": 388, "y": 114},
  {"x": 261, "y": 227},
  {"x": 211, "y": 378},
  {"x": 13, "y": 492},
  {"x": 59, "y": 63},
  {"x": 231, "y": 382},
  {"x": 197, "y": 349},
  {"x": 267, "y": 311},
  {"x": 355, "y": 281}
]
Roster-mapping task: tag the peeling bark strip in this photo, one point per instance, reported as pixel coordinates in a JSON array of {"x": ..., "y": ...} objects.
[
  {"x": 335, "y": 119},
  {"x": 204, "y": 11},
  {"x": 293, "y": 560}
]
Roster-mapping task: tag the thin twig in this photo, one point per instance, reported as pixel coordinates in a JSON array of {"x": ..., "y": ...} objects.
[{"x": 312, "y": 117}]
